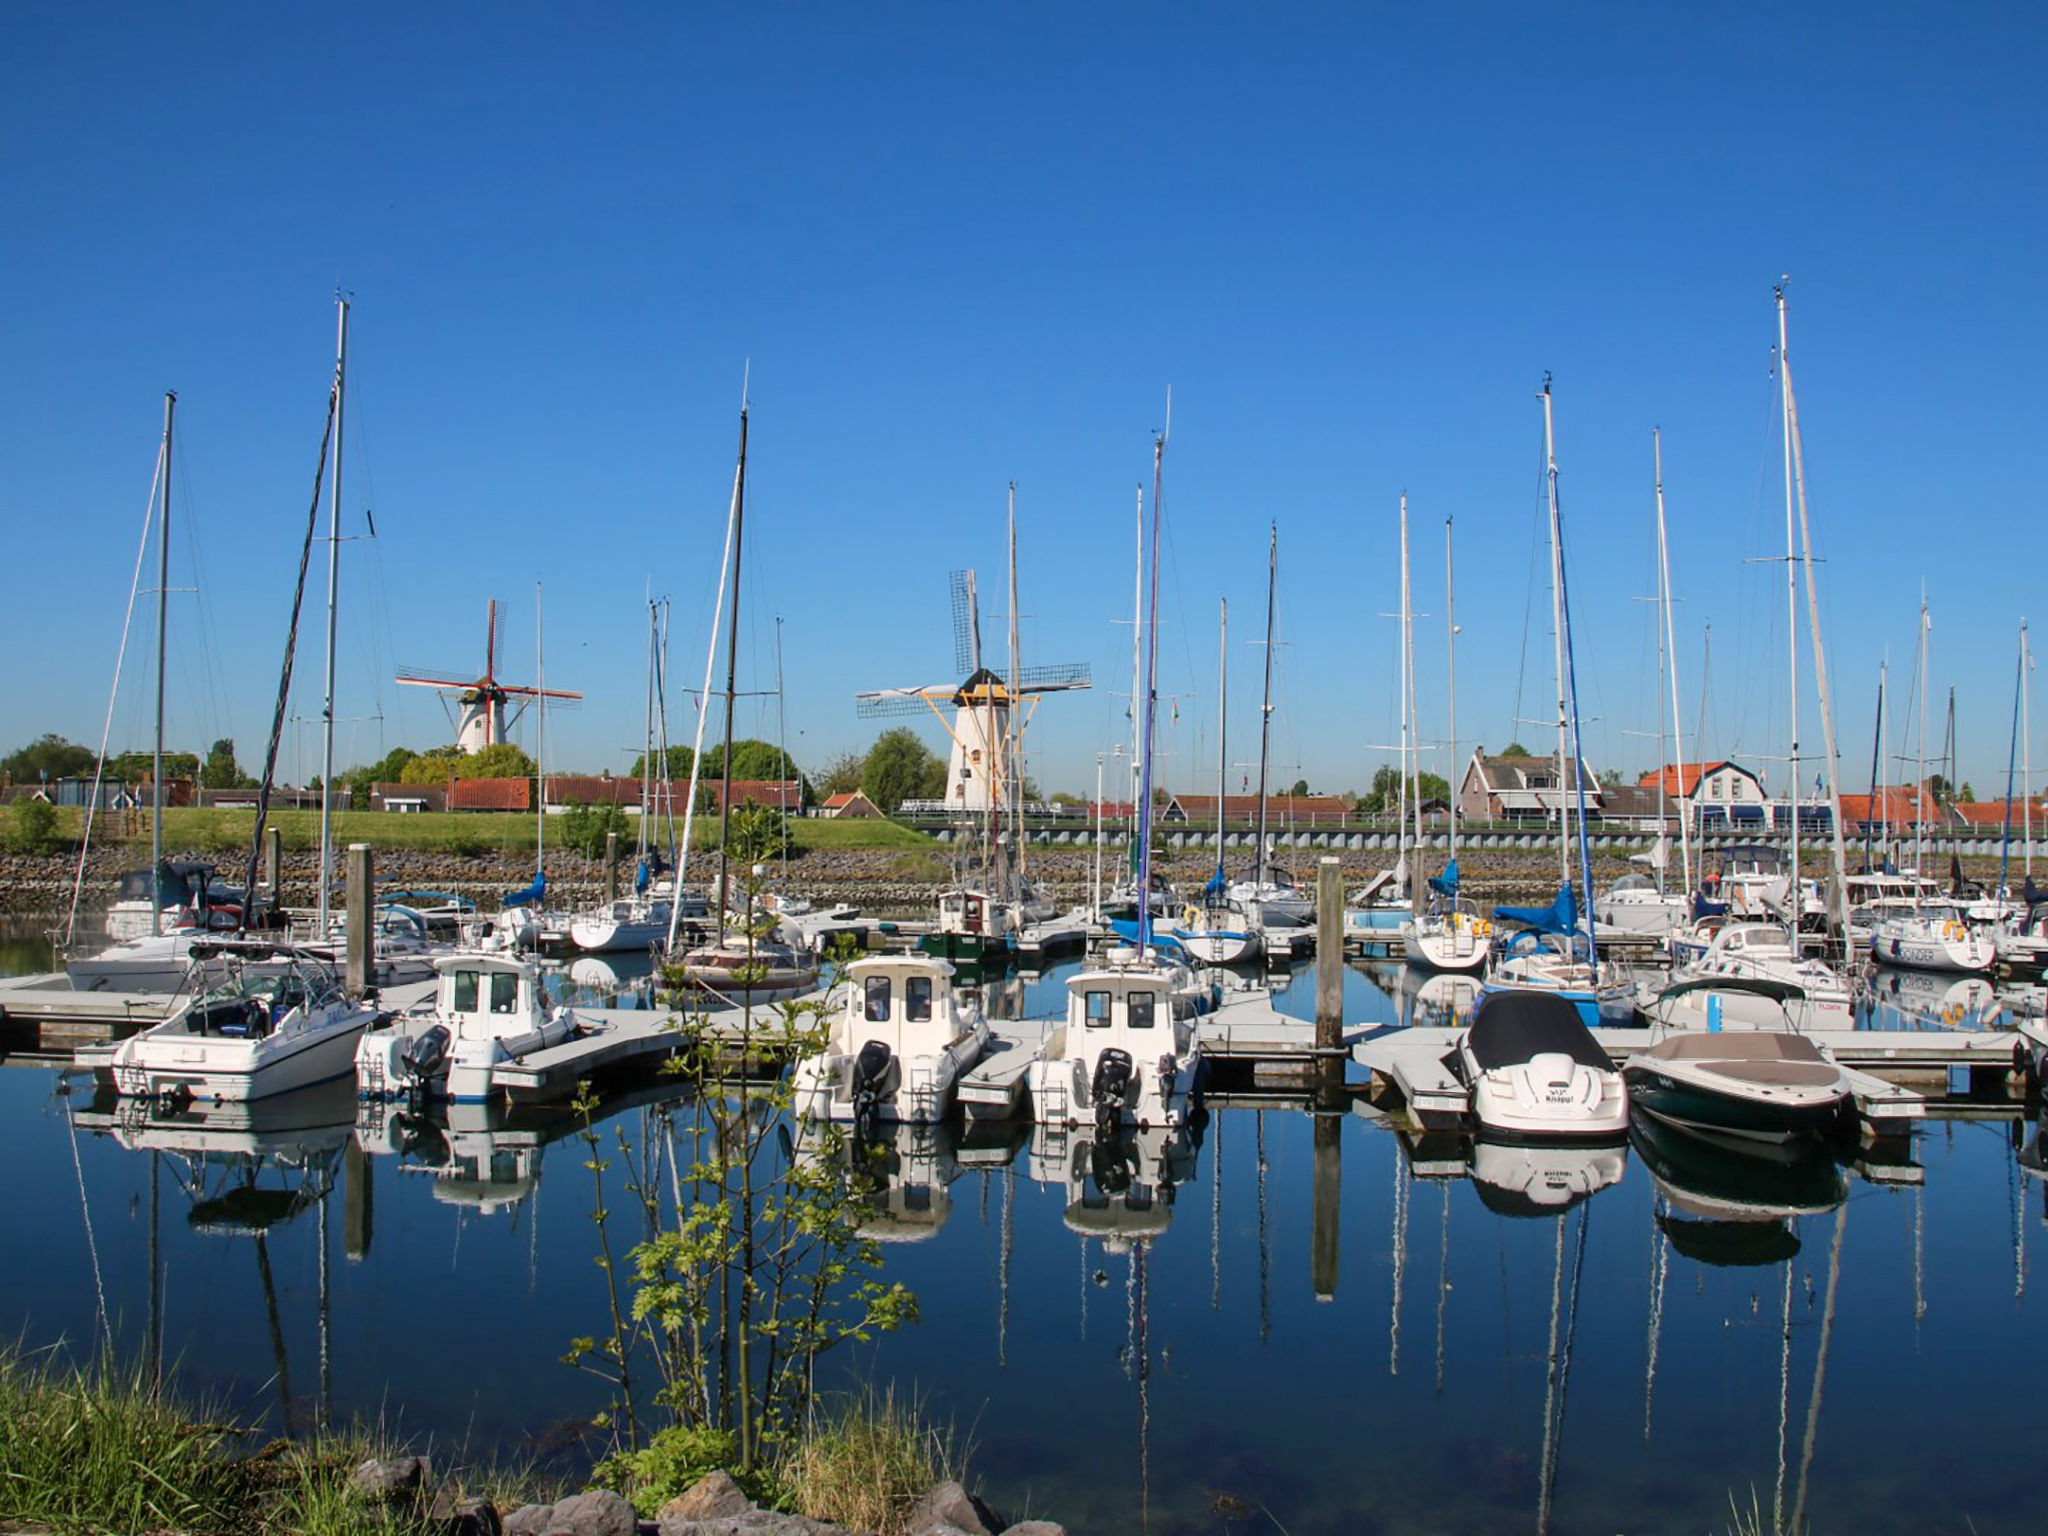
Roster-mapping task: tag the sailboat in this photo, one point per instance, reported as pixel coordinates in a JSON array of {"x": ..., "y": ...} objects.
[
  {"x": 1127, "y": 1051},
  {"x": 1634, "y": 904},
  {"x": 1447, "y": 936},
  {"x": 1220, "y": 929},
  {"x": 1557, "y": 953},
  {"x": 1270, "y": 893}
]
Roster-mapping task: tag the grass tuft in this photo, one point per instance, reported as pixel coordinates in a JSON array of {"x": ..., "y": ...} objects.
[{"x": 867, "y": 1460}]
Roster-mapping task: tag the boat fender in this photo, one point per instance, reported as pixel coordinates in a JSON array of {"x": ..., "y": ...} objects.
[
  {"x": 1163, "y": 1074},
  {"x": 1191, "y": 916}
]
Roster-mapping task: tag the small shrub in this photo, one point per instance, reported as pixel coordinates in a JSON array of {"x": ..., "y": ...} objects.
[
  {"x": 674, "y": 1461},
  {"x": 867, "y": 1461},
  {"x": 31, "y": 827}
]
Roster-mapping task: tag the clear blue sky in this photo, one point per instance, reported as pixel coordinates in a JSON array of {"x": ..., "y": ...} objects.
[{"x": 968, "y": 245}]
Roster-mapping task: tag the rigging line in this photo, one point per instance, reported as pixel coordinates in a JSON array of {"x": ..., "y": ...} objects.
[
  {"x": 106, "y": 729},
  {"x": 211, "y": 704}
]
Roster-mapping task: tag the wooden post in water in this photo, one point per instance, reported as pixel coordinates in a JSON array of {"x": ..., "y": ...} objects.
[
  {"x": 273, "y": 855},
  {"x": 1329, "y": 957},
  {"x": 1328, "y": 1182},
  {"x": 611, "y": 867},
  {"x": 360, "y": 936},
  {"x": 355, "y": 1197}
]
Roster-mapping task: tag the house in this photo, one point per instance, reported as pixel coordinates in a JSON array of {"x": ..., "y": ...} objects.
[
  {"x": 1714, "y": 794},
  {"x": 787, "y": 794},
  {"x": 491, "y": 795},
  {"x": 1282, "y": 811},
  {"x": 1639, "y": 808},
  {"x": 1522, "y": 789},
  {"x": 411, "y": 798},
  {"x": 567, "y": 789},
  {"x": 1904, "y": 808},
  {"x": 851, "y": 804}
]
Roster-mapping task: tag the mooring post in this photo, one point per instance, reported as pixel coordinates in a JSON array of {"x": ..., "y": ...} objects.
[
  {"x": 1329, "y": 957},
  {"x": 355, "y": 1200},
  {"x": 611, "y": 867},
  {"x": 273, "y": 858},
  {"x": 1328, "y": 1180},
  {"x": 359, "y": 927}
]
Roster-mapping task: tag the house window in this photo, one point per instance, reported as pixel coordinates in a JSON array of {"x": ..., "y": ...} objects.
[
  {"x": 504, "y": 991},
  {"x": 1139, "y": 1007},
  {"x": 465, "y": 990},
  {"x": 1096, "y": 1010},
  {"x": 877, "y": 1000},
  {"x": 917, "y": 999}
]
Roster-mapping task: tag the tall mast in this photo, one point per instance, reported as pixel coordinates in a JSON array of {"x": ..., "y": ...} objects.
[
  {"x": 1222, "y": 721},
  {"x": 1138, "y": 721},
  {"x": 1013, "y": 725},
  {"x": 732, "y": 657},
  {"x": 1668, "y": 643},
  {"x": 1266, "y": 699},
  {"x": 1410, "y": 769},
  {"x": 782, "y": 745},
  {"x": 1795, "y": 898},
  {"x": 333, "y": 588},
  {"x": 647, "y": 776},
  {"x": 1920, "y": 754},
  {"x": 2012, "y": 753},
  {"x": 163, "y": 603},
  {"x": 1451, "y": 650},
  {"x": 1564, "y": 842},
  {"x": 2027, "y": 747},
  {"x": 1877, "y": 804},
  {"x": 540, "y": 739},
  {"x": 1151, "y": 695}
]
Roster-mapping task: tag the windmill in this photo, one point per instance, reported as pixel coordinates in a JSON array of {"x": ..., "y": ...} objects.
[
  {"x": 482, "y": 721},
  {"x": 978, "y": 774}
]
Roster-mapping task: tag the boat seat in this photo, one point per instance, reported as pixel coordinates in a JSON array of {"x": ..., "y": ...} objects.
[{"x": 1763, "y": 1045}]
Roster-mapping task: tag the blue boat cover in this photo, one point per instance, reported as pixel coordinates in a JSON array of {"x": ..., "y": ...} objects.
[
  {"x": 1127, "y": 928},
  {"x": 533, "y": 894},
  {"x": 641, "y": 877},
  {"x": 1561, "y": 916},
  {"x": 1446, "y": 884}
]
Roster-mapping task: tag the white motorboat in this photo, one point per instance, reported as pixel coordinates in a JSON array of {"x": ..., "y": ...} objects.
[
  {"x": 1535, "y": 1070},
  {"x": 1126, "y": 1052},
  {"x": 1530, "y": 1179},
  {"x": 1691, "y": 1002},
  {"x": 1935, "y": 938},
  {"x": 280, "y": 1020},
  {"x": 1634, "y": 905},
  {"x": 1763, "y": 950},
  {"x": 488, "y": 1009},
  {"x": 900, "y": 1040},
  {"x": 1770, "y": 1085}
]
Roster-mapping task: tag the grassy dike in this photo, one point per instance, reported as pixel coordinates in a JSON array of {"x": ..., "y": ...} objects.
[{"x": 101, "y": 1449}]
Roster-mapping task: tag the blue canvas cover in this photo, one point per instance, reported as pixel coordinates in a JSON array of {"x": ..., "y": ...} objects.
[{"x": 1561, "y": 916}]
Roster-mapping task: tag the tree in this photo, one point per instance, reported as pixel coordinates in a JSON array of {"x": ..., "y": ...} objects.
[
  {"x": 47, "y": 757},
  {"x": 435, "y": 767},
  {"x": 1514, "y": 749},
  {"x": 221, "y": 771},
  {"x": 136, "y": 767},
  {"x": 899, "y": 767},
  {"x": 583, "y": 827},
  {"x": 1611, "y": 778},
  {"x": 757, "y": 834},
  {"x": 678, "y": 765},
  {"x": 1966, "y": 795},
  {"x": 1298, "y": 787},
  {"x": 388, "y": 769},
  {"x": 1384, "y": 798},
  {"x": 500, "y": 760},
  {"x": 31, "y": 827},
  {"x": 842, "y": 774}
]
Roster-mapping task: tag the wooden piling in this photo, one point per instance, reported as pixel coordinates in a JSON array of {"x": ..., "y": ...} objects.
[
  {"x": 611, "y": 867},
  {"x": 360, "y": 935},
  {"x": 1327, "y": 1175},
  {"x": 355, "y": 1200},
  {"x": 273, "y": 863},
  {"x": 1329, "y": 955}
]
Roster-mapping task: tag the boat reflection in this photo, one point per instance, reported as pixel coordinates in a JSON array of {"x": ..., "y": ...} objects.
[
  {"x": 1904, "y": 999},
  {"x": 902, "y": 1174}
]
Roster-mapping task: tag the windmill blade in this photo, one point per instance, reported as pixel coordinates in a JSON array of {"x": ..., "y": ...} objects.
[
  {"x": 1052, "y": 679},
  {"x": 510, "y": 691},
  {"x": 420, "y": 677},
  {"x": 966, "y": 623},
  {"x": 491, "y": 642},
  {"x": 898, "y": 701}
]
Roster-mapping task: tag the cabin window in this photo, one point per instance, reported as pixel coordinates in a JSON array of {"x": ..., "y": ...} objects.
[
  {"x": 1096, "y": 1011},
  {"x": 465, "y": 990},
  {"x": 877, "y": 1000},
  {"x": 504, "y": 991},
  {"x": 917, "y": 999},
  {"x": 1139, "y": 1006}
]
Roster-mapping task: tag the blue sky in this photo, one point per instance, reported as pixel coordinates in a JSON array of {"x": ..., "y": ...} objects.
[{"x": 962, "y": 246}]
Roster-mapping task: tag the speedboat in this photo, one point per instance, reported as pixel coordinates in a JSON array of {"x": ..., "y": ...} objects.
[
  {"x": 971, "y": 925},
  {"x": 1756, "y": 1084},
  {"x": 901, "y": 1039},
  {"x": 488, "y": 1009},
  {"x": 1763, "y": 950},
  {"x": 1126, "y": 1052},
  {"x": 1534, "y": 1070},
  {"x": 746, "y": 969},
  {"x": 279, "y": 1020}
]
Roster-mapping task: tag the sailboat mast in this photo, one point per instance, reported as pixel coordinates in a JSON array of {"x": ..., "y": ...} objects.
[
  {"x": 732, "y": 657},
  {"x": 1564, "y": 825},
  {"x": 1013, "y": 725},
  {"x": 1138, "y": 719},
  {"x": 1222, "y": 721},
  {"x": 1451, "y": 651},
  {"x": 540, "y": 741},
  {"x": 1795, "y": 898},
  {"x": 1266, "y": 700},
  {"x": 786, "y": 768},
  {"x": 1877, "y": 804},
  {"x": 2012, "y": 752},
  {"x": 1920, "y": 754},
  {"x": 1151, "y": 695},
  {"x": 163, "y": 603},
  {"x": 333, "y": 589},
  {"x": 2027, "y": 747},
  {"x": 1669, "y": 646},
  {"x": 1410, "y": 748}
]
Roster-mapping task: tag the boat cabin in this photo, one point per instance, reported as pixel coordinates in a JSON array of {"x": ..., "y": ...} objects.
[
  {"x": 482, "y": 997},
  {"x": 905, "y": 1001},
  {"x": 1129, "y": 1005}
]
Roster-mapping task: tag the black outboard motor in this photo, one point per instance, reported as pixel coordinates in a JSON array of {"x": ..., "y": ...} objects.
[
  {"x": 1111, "y": 1087},
  {"x": 1113, "y": 1162},
  {"x": 428, "y": 1054},
  {"x": 870, "y": 1067}
]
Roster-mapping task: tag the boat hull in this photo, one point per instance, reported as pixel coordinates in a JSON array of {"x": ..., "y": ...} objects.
[{"x": 1695, "y": 1107}]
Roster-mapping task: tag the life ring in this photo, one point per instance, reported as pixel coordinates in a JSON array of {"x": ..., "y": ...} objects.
[
  {"x": 1191, "y": 916},
  {"x": 1481, "y": 927}
]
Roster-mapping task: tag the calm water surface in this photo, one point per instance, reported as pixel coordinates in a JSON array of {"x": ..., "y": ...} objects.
[{"x": 1156, "y": 1336}]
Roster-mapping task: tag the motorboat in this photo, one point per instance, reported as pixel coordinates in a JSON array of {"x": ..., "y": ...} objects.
[
  {"x": 489, "y": 1008},
  {"x": 1764, "y": 950},
  {"x": 745, "y": 969},
  {"x": 1534, "y": 1069},
  {"x": 1694, "y": 1002},
  {"x": 1933, "y": 938},
  {"x": 1635, "y": 906},
  {"x": 1126, "y": 1052},
  {"x": 280, "y": 1020},
  {"x": 900, "y": 1040},
  {"x": 1755, "y": 1084},
  {"x": 1525, "y": 1179},
  {"x": 972, "y": 925}
]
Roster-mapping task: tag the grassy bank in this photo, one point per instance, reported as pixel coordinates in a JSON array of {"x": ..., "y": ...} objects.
[
  {"x": 104, "y": 1450},
  {"x": 466, "y": 833}
]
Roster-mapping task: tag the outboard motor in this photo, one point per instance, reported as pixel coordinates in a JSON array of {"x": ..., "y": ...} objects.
[
  {"x": 1113, "y": 1162},
  {"x": 1112, "y": 1085},
  {"x": 870, "y": 1068},
  {"x": 428, "y": 1054}
]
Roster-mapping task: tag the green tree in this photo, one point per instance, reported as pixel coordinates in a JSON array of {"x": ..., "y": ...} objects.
[
  {"x": 388, "y": 769},
  {"x": 1384, "y": 798},
  {"x": 899, "y": 767},
  {"x": 1514, "y": 749},
  {"x": 136, "y": 767},
  {"x": 500, "y": 760},
  {"x": 1966, "y": 795},
  {"x": 758, "y": 833},
  {"x": 1298, "y": 787},
  {"x": 47, "y": 757},
  {"x": 842, "y": 774},
  {"x": 435, "y": 767},
  {"x": 221, "y": 771},
  {"x": 678, "y": 765},
  {"x": 584, "y": 827},
  {"x": 31, "y": 827}
]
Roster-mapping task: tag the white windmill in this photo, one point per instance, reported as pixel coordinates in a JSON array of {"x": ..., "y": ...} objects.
[{"x": 481, "y": 701}]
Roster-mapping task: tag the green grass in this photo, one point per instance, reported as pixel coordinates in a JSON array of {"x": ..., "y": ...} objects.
[{"x": 867, "y": 1460}]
